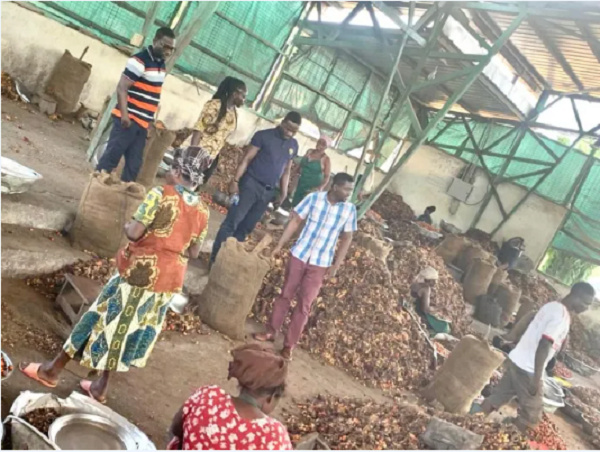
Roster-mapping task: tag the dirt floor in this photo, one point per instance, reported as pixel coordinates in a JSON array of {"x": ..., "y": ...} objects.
[
  {"x": 32, "y": 326},
  {"x": 179, "y": 364}
]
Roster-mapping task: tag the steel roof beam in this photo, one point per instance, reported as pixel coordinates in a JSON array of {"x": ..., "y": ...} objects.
[
  {"x": 555, "y": 52},
  {"x": 428, "y": 16},
  {"x": 534, "y": 125},
  {"x": 488, "y": 85},
  {"x": 514, "y": 8},
  {"x": 591, "y": 39},
  {"x": 388, "y": 85},
  {"x": 354, "y": 30},
  {"x": 542, "y": 179},
  {"x": 395, "y": 17},
  {"x": 409, "y": 51},
  {"x": 456, "y": 95},
  {"x": 487, "y": 171},
  {"x": 576, "y": 114},
  {"x": 351, "y": 15},
  {"x": 443, "y": 87},
  {"x": 462, "y": 19},
  {"x": 513, "y": 55}
]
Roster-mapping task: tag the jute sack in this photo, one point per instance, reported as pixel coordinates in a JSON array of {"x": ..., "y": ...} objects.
[
  {"x": 464, "y": 374},
  {"x": 66, "y": 82},
  {"x": 451, "y": 247},
  {"x": 106, "y": 205},
  {"x": 157, "y": 143},
  {"x": 379, "y": 248},
  {"x": 498, "y": 278},
  {"x": 478, "y": 279},
  {"x": 508, "y": 297},
  {"x": 234, "y": 281},
  {"x": 469, "y": 254},
  {"x": 488, "y": 310}
]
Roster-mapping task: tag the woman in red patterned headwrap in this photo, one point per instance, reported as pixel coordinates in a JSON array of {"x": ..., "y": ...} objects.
[{"x": 213, "y": 420}]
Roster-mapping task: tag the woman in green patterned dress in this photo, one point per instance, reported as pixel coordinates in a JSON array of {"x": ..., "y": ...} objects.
[
  {"x": 315, "y": 169},
  {"x": 121, "y": 327}
]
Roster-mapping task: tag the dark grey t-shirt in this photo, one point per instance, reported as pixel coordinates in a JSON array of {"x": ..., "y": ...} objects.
[{"x": 274, "y": 154}]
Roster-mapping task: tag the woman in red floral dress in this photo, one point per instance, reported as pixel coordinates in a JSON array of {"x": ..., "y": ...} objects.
[{"x": 213, "y": 420}]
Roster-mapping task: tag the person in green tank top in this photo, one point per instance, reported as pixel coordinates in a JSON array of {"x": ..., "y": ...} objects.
[{"x": 315, "y": 169}]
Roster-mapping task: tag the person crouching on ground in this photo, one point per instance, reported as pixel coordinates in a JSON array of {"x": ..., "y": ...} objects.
[
  {"x": 526, "y": 363},
  {"x": 121, "y": 327},
  {"x": 213, "y": 420},
  {"x": 421, "y": 289},
  {"x": 426, "y": 216},
  {"x": 328, "y": 216}
]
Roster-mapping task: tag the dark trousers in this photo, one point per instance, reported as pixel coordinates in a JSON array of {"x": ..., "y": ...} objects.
[
  {"x": 241, "y": 219},
  {"x": 129, "y": 143},
  {"x": 211, "y": 169}
]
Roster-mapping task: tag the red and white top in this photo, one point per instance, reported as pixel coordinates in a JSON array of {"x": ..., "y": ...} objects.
[
  {"x": 211, "y": 422},
  {"x": 552, "y": 322}
]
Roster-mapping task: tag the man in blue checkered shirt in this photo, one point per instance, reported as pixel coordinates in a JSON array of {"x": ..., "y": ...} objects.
[{"x": 328, "y": 216}]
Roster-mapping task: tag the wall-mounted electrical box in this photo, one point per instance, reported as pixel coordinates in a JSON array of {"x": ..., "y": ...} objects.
[{"x": 459, "y": 189}]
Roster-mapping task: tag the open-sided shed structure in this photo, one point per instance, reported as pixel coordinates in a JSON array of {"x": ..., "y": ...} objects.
[
  {"x": 478, "y": 80},
  {"x": 475, "y": 79}
]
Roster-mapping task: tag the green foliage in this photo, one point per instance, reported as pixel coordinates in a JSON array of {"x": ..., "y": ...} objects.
[{"x": 565, "y": 267}]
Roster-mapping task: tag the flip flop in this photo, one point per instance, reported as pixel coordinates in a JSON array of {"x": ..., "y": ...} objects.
[
  {"x": 266, "y": 337},
  {"x": 86, "y": 386},
  {"x": 31, "y": 371}
]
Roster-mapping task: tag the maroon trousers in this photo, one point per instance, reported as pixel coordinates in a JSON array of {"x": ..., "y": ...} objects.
[{"x": 304, "y": 280}]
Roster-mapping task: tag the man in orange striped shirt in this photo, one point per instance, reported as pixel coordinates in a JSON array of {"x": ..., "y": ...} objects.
[{"x": 138, "y": 95}]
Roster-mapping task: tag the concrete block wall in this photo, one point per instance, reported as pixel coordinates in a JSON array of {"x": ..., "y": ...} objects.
[
  {"x": 425, "y": 177},
  {"x": 30, "y": 52}
]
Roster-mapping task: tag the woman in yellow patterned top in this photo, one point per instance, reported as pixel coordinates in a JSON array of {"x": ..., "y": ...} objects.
[
  {"x": 218, "y": 120},
  {"x": 121, "y": 327}
]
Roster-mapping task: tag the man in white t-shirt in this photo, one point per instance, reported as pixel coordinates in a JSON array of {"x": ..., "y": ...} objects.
[{"x": 525, "y": 366}]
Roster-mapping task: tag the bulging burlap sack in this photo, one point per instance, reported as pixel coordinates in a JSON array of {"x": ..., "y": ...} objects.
[
  {"x": 157, "y": 144},
  {"x": 66, "y": 82},
  {"x": 233, "y": 283},
  {"x": 508, "y": 297},
  {"x": 464, "y": 374},
  {"x": 106, "y": 205},
  {"x": 498, "y": 278},
  {"x": 488, "y": 310},
  {"x": 379, "y": 248},
  {"x": 478, "y": 279},
  {"x": 469, "y": 254},
  {"x": 451, "y": 247}
]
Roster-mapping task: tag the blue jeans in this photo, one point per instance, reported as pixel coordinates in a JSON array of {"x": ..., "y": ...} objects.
[
  {"x": 241, "y": 219},
  {"x": 124, "y": 142}
]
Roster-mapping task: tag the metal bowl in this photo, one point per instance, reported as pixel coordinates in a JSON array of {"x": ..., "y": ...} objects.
[
  {"x": 281, "y": 217},
  {"x": 221, "y": 198},
  {"x": 89, "y": 432},
  {"x": 178, "y": 303},
  {"x": 8, "y": 363}
]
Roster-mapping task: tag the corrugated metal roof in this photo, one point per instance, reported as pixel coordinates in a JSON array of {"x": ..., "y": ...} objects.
[
  {"x": 531, "y": 40},
  {"x": 557, "y": 48}
]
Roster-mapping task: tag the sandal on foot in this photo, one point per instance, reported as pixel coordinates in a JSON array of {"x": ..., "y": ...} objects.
[
  {"x": 31, "y": 371},
  {"x": 86, "y": 386},
  {"x": 286, "y": 353},
  {"x": 264, "y": 337}
]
